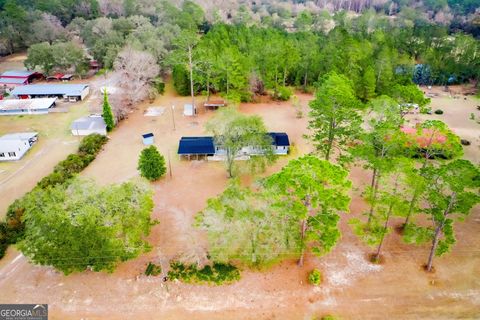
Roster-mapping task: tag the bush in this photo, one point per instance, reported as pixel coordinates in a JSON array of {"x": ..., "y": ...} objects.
[
  {"x": 4, "y": 241},
  {"x": 283, "y": 94},
  {"x": 151, "y": 164},
  {"x": 315, "y": 277},
  {"x": 153, "y": 269},
  {"x": 92, "y": 144},
  {"x": 465, "y": 142},
  {"x": 218, "y": 273},
  {"x": 159, "y": 85},
  {"x": 438, "y": 111}
]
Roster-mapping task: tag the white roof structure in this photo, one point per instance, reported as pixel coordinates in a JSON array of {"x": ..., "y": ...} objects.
[
  {"x": 26, "y": 104},
  {"x": 89, "y": 123},
  {"x": 188, "y": 110},
  {"x": 19, "y": 136},
  {"x": 50, "y": 89},
  {"x": 14, "y": 145}
]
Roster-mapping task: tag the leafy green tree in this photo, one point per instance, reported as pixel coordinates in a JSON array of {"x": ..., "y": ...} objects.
[
  {"x": 242, "y": 226},
  {"x": 368, "y": 84},
  {"x": 234, "y": 131},
  {"x": 311, "y": 192},
  {"x": 107, "y": 112},
  {"x": 335, "y": 118},
  {"x": 151, "y": 164},
  {"x": 380, "y": 144},
  {"x": 40, "y": 55},
  {"x": 452, "y": 191},
  {"x": 389, "y": 201},
  {"x": 409, "y": 94},
  {"x": 62, "y": 56},
  {"x": 81, "y": 226}
]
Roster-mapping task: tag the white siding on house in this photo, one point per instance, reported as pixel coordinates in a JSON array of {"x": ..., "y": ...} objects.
[{"x": 14, "y": 146}]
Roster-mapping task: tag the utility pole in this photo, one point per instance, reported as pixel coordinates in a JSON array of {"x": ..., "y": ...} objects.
[
  {"x": 169, "y": 164},
  {"x": 173, "y": 116}
]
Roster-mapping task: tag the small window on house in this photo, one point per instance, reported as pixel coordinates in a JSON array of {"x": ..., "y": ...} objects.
[
  {"x": 11, "y": 154},
  {"x": 2, "y": 155}
]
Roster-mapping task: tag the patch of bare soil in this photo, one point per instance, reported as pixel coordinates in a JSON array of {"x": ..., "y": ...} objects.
[{"x": 353, "y": 288}]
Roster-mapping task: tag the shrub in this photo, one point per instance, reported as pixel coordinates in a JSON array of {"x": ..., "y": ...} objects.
[
  {"x": 4, "y": 241},
  {"x": 218, "y": 273},
  {"x": 315, "y": 277},
  {"x": 465, "y": 142},
  {"x": 151, "y": 164},
  {"x": 159, "y": 85},
  {"x": 153, "y": 269},
  {"x": 284, "y": 94},
  {"x": 472, "y": 116},
  {"x": 92, "y": 144},
  {"x": 329, "y": 317},
  {"x": 438, "y": 111}
]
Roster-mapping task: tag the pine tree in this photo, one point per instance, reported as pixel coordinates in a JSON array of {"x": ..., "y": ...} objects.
[
  {"x": 151, "y": 164},
  {"x": 107, "y": 112}
]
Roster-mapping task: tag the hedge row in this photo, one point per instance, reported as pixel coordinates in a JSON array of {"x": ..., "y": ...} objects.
[
  {"x": 11, "y": 230},
  {"x": 218, "y": 273}
]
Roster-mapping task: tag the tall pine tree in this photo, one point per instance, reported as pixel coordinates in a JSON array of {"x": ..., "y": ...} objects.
[{"x": 107, "y": 112}]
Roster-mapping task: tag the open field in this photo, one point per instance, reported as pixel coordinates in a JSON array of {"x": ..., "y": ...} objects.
[{"x": 353, "y": 288}]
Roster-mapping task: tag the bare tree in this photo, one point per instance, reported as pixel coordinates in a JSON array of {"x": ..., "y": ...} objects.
[
  {"x": 134, "y": 72},
  {"x": 111, "y": 7},
  {"x": 47, "y": 29}
]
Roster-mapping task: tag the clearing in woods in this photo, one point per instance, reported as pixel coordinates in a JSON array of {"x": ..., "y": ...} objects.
[{"x": 353, "y": 287}]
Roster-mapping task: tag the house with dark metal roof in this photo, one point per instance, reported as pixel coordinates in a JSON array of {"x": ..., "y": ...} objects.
[
  {"x": 280, "y": 143},
  {"x": 205, "y": 146},
  {"x": 196, "y": 146},
  {"x": 70, "y": 92}
]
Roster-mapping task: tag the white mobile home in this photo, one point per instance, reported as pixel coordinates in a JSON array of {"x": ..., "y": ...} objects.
[
  {"x": 88, "y": 125},
  {"x": 13, "y": 146}
]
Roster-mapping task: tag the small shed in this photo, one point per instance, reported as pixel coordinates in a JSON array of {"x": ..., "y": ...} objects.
[
  {"x": 56, "y": 77},
  {"x": 66, "y": 77},
  {"x": 214, "y": 104},
  {"x": 148, "y": 138},
  {"x": 189, "y": 110},
  {"x": 88, "y": 125}
]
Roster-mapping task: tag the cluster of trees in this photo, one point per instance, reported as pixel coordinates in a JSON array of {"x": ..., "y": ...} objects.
[
  {"x": 12, "y": 229},
  {"x": 60, "y": 56},
  {"x": 81, "y": 226},
  {"x": 416, "y": 175},
  {"x": 241, "y": 62},
  {"x": 293, "y": 211}
]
